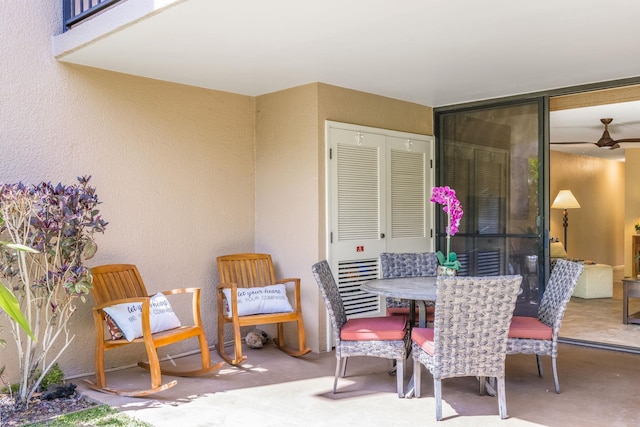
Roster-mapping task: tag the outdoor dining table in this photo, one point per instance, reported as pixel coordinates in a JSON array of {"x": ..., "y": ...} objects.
[{"x": 415, "y": 289}]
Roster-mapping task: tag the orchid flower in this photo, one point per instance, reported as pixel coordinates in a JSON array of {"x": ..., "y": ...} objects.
[{"x": 446, "y": 196}]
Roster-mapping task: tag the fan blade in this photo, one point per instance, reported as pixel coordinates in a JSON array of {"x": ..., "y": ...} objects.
[
  {"x": 628, "y": 140},
  {"x": 570, "y": 143}
]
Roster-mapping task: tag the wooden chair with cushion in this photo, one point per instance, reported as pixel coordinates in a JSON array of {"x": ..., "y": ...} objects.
[
  {"x": 410, "y": 264},
  {"x": 384, "y": 336},
  {"x": 469, "y": 336},
  {"x": 249, "y": 294},
  {"x": 131, "y": 315},
  {"x": 539, "y": 336}
]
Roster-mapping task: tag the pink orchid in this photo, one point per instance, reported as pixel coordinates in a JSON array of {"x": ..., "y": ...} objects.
[{"x": 446, "y": 196}]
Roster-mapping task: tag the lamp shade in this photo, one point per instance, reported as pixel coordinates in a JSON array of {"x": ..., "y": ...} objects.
[{"x": 565, "y": 200}]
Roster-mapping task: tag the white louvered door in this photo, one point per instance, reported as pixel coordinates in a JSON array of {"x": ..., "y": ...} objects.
[{"x": 377, "y": 202}]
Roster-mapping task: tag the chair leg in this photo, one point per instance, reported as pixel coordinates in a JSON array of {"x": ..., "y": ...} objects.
[
  {"x": 154, "y": 365},
  {"x": 400, "y": 376},
  {"x": 555, "y": 374},
  {"x": 417, "y": 368},
  {"x": 502, "y": 398},
  {"x": 343, "y": 371},
  {"x": 101, "y": 381},
  {"x": 302, "y": 343},
  {"x": 339, "y": 363},
  {"x": 437, "y": 394},
  {"x": 539, "y": 365},
  {"x": 483, "y": 385},
  {"x": 280, "y": 335}
]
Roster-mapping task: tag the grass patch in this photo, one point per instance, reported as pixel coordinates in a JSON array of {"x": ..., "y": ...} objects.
[{"x": 103, "y": 415}]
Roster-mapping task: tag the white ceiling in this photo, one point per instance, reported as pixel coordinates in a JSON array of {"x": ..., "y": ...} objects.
[{"x": 431, "y": 52}]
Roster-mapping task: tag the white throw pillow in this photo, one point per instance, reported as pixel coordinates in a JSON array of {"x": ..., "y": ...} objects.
[
  {"x": 269, "y": 299},
  {"x": 128, "y": 317}
]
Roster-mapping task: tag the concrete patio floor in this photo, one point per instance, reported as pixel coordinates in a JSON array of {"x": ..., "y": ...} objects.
[{"x": 598, "y": 388}]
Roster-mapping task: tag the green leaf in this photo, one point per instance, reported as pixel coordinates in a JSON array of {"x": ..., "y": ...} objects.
[
  {"x": 19, "y": 247},
  {"x": 10, "y": 304}
]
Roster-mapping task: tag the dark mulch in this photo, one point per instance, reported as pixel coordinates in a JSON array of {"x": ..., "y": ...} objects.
[{"x": 41, "y": 409}]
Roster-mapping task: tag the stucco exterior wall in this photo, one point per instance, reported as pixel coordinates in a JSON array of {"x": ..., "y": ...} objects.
[
  {"x": 173, "y": 165},
  {"x": 287, "y": 209},
  {"x": 597, "y": 229}
]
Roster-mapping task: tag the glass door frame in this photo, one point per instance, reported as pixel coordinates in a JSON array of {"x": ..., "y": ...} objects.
[{"x": 542, "y": 234}]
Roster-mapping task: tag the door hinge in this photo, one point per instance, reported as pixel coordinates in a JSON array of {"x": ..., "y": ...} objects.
[
  {"x": 331, "y": 237},
  {"x": 330, "y": 153}
]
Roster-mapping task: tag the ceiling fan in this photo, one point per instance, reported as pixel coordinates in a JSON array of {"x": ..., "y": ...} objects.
[{"x": 605, "y": 140}]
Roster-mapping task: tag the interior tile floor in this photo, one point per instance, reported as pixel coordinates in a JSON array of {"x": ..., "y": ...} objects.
[
  {"x": 598, "y": 387},
  {"x": 599, "y": 320}
]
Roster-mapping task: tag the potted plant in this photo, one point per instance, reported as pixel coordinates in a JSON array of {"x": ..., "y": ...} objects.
[
  {"x": 637, "y": 227},
  {"x": 449, "y": 264},
  {"x": 47, "y": 231}
]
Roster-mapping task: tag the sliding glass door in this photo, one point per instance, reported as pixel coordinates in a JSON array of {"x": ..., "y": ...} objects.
[{"x": 491, "y": 155}]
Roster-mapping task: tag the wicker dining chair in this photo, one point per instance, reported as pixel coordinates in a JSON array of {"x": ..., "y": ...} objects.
[
  {"x": 407, "y": 264},
  {"x": 539, "y": 336},
  {"x": 469, "y": 336},
  {"x": 384, "y": 337}
]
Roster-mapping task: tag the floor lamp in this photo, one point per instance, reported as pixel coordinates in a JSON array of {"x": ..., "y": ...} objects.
[{"x": 565, "y": 200}]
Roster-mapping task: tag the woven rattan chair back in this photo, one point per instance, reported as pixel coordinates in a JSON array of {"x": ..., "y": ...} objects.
[
  {"x": 333, "y": 300},
  {"x": 470, "y": 332},
  {"x": 408, "y": 264},
  {"x": 472, "y": 321},
  {"x": 411, "y": 264},
  {"x": 558, "y": 291}
]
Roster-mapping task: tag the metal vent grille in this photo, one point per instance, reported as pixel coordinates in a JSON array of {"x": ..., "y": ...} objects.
[{"x": 351, "y": 274}]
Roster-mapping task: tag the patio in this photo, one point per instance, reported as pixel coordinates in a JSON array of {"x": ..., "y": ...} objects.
[{"x": 597, "y": 388}]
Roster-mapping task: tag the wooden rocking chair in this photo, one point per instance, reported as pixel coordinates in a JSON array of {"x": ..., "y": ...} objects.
[
  {"x": 253, "y": 271},
  {"x": 122, "y": 284}
]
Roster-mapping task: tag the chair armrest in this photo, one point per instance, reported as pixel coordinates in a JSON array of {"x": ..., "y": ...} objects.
[
  {"x": 121, "y": 301},
  {"x": 221, "y": 297},
  {"x": 181, "y": 291},
  {"x": 296, "y": 291},
  {"x": 195, "y": 308}
]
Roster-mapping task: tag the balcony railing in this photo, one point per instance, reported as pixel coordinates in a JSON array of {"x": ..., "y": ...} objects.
[{"x": 75, "y": 11}]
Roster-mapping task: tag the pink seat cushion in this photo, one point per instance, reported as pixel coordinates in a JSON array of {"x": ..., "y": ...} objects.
[
  {"x": 374, "y": 329},
  {"x": 529, "y": 328},
  {"x": 424, "y": 338}
]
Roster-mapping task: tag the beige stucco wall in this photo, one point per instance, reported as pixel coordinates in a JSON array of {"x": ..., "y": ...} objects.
[
  {"x": 287, "y": 193},
  {"x": 173, "y": 165},
  {"x": 596, "y": 230}
]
